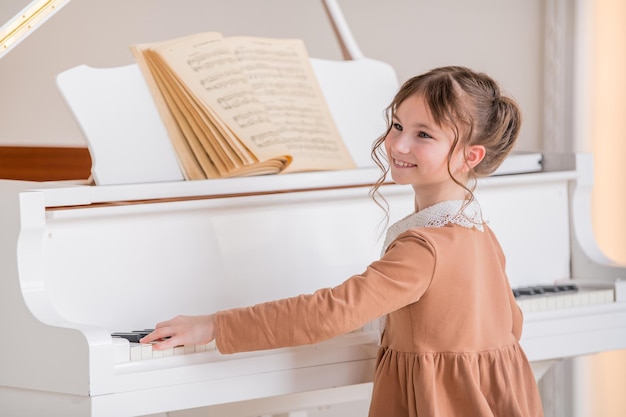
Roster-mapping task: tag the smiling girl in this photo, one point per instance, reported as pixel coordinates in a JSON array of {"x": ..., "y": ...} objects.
[{"x": 451, "y": 329}]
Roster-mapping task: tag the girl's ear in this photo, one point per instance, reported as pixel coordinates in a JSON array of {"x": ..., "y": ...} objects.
[{"x": 474, "y": 154}]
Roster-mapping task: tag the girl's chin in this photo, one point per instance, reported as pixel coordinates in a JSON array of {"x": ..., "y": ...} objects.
[{"x": 400, "y": 179}]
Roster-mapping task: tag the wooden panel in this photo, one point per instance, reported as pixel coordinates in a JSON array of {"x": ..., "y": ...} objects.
[{"x": 33, "y": 163}]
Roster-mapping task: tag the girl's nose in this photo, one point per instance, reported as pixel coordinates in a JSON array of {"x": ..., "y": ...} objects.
[{"x": 399, "y": 144}]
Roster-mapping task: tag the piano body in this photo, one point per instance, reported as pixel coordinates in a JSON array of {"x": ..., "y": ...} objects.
[{"x": 79, "y": 262}]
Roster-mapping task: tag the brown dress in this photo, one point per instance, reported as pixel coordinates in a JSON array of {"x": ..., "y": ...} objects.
[{"x": 450, "y": 342}]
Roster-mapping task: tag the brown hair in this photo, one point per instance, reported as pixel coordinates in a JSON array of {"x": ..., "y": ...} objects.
[{"x": 469, "y": 102}]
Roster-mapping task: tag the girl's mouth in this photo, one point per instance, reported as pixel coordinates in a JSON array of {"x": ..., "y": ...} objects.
[{"x": 403, "y": 164}]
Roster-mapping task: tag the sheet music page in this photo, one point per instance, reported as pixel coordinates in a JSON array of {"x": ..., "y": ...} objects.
[
  {"x": 190, "y": 164},
  {"x": 212, "y": 74},
  {"x": 207, "y": 140},
  {"x": 187, "y": 131},
  {"x": 207, "y": 147},
  {"x": 245, "y": 105},
  {"x": 282, "y": 78}
]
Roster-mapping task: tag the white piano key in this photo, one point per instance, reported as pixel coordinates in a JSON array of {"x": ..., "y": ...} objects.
[
  {"x": 140, "y": 351},
  {"x": 567, "y": 300},
  {"x": 533, "y": 304},
  {"x": 157, "y": 354},
  {"x": 609, "y": 296},
  {"x": 559, "y": 301},
  {"x": 129, "y": 351},
  {"x": 539, "y": 305},
  {"x": 146, "y": 351},
  {"x": 584, "y": 298},
  {"x": 135, "y": 351},
  {"x": 556, "y": 301}
]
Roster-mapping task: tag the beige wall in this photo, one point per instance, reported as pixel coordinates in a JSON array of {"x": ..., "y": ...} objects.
[{"x": 503, "y": 38}]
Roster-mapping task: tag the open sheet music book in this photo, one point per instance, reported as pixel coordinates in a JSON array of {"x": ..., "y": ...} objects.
[{"x": 240, "y": 106}]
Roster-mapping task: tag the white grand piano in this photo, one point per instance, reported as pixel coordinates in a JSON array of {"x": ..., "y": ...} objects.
[{"x": 79, "y": 262}]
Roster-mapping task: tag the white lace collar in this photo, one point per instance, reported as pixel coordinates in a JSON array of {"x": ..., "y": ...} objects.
[{"x": 438, "y": 215}]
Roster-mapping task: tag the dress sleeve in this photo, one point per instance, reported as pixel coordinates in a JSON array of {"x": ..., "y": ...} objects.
[{"x": 399, "y": 278}]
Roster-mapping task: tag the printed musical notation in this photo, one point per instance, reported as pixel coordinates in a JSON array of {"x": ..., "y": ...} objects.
[{"x": 257, "y": 96}]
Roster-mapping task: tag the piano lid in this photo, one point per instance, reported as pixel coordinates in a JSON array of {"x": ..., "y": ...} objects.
[{"x": 22, "y": 17}]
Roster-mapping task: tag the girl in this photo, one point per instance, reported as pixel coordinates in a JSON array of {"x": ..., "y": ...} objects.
[{"x": 450, "y": 341}]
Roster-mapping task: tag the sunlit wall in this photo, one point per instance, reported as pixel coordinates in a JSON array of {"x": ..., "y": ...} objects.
[{"x": 605, "y": 374}]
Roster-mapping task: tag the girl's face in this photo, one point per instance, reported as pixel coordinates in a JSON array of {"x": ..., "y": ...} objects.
[{"x": 418, "y": 148}]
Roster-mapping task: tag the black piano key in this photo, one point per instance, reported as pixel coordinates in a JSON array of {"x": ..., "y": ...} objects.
[
  {"x": 568, "y": 288},
  {"x": 544, "y": 290},
  {"x": 550, "y": 288},
  {"x": 529, "y": 291},
  {"x": 144, "y": 332},
  {"x": 130, "y": 336},
  {"x": 135, "y": 336}
]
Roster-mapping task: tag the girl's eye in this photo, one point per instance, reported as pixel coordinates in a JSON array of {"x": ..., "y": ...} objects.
[
  {"x": 397, "y": 126},
  {"x": 424, "y": 135}
]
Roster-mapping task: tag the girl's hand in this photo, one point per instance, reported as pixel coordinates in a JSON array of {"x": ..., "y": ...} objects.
[{"x": 182, "y": 330}]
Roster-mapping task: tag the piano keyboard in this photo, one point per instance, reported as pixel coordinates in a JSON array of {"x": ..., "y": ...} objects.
[
  {"x": 554, "y": 297},
  {"x": 128, "y": 349}
]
